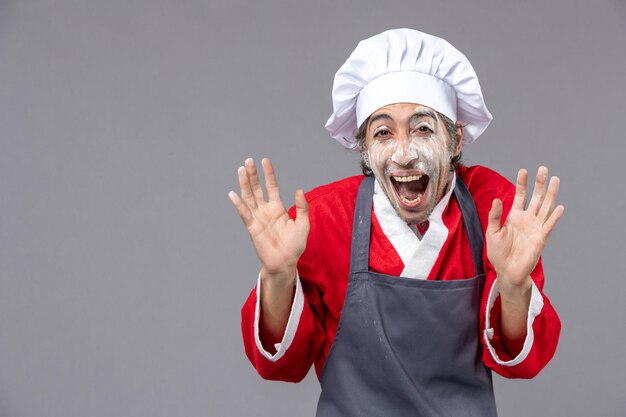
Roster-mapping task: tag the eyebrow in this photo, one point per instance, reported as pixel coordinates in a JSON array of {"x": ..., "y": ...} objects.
[
  {"x": 423, "y": 113},
  {"x": 378, "y": 117}
]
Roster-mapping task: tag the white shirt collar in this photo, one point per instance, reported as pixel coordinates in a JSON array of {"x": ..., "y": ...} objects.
[{"x": 418, "y": 256}]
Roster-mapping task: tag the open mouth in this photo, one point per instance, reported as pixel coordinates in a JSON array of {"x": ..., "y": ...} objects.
[{"x": 410, "y": 189}]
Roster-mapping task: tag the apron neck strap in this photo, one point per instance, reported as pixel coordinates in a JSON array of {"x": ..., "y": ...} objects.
[
  {"x": 361, "y": 226},
  {"x": 472, "y": 224}
]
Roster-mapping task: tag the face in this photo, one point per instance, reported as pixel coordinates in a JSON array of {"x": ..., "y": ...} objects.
[{"x": 409, "y": 151}]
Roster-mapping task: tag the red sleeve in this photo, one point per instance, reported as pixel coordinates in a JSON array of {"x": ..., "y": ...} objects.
[
  {"x": 296, "y": 362},
  {"x": 546, "y": 328}
]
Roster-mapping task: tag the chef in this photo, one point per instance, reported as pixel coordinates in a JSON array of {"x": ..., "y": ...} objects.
[{"x": 406, "y": 286}]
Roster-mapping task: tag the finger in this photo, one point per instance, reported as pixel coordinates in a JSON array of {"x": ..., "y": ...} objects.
[
  {"x": 242, "y": 209},
  {"x": 255, "y": 185},
  {"x": 521, "y": 190},
  {"x": 273, "y": 192},
  {"x": 495, "y": 216},
  {"x": 539, "y": 192},
  {"x": 302, "y": 208},
  {"x": 549, "y": 202},
  {"x": 554, "y": 218},
  {"x": 244, "y": 186}
]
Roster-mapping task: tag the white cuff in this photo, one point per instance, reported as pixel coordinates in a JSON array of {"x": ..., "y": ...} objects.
[
  {"x": 536, "y": 304},
  {"x": 292, "y": 324}
]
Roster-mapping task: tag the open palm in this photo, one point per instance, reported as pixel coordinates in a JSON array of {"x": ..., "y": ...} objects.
[
  {"x": 514, "y": 248},
  {"x": 278, "y": 240}
]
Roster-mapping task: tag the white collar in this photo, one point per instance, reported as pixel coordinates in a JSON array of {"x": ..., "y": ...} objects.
[{"x": 418, "y": 256}]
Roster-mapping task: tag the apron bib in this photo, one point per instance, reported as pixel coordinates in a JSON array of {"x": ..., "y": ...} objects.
[{"x": 407, "y": 347}]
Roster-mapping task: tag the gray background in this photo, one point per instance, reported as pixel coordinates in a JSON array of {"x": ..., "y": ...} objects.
[{"x": 122, "y": 264}]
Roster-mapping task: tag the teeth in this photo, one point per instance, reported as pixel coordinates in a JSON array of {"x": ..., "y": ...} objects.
[{"x": 407, "y": 179}]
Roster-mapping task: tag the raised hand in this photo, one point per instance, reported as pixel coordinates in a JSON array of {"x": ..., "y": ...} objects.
[
  {"x": 514, "y": 248},
  {"x": 278, "y": 240}
]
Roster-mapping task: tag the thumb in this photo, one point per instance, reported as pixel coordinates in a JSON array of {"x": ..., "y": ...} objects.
[
  {"x": 495, "y": 216},
  {"x": 302, "y": 208}
]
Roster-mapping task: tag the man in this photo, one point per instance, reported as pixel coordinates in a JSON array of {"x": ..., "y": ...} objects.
[{"x": 407, "y": 286}]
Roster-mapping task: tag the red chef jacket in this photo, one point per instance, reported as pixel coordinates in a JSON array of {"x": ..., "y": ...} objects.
[{"x": 323, "y": 278}]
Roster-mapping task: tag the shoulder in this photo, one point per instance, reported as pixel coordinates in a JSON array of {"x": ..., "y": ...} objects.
[
  {"x": 331, "y": 212},
  {"x": 336, "y": 192},
  {"x": 336, "y": 199},
  {"x": 485, "y": 185},
  {"x": 485, "y": 182}
]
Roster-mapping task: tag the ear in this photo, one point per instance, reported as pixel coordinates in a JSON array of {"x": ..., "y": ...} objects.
[{"x": 460, "y": 131}]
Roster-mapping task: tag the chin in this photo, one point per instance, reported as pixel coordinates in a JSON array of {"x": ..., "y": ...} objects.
[{"x": 412, "y": 217}]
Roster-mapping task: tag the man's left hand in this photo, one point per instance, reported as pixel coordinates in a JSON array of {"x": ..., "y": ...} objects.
[{"x": 514, "y": 248}]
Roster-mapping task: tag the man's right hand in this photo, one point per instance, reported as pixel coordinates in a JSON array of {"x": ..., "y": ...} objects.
[{"x": 278, "y": 240}]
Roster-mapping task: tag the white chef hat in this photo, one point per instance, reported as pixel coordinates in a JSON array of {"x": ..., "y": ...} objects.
[{"x": 406, "y": 66}]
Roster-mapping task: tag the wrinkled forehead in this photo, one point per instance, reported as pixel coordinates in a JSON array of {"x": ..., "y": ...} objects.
[{"x": 403, "y": 113}]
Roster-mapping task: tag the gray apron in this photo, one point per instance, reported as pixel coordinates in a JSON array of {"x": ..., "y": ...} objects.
[{"x": 407, "y": 347}]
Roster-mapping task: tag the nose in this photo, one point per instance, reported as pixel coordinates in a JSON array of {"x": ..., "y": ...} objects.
[{"x": 406, "y": 151}]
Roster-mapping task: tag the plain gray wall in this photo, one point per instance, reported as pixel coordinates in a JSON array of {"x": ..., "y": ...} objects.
[{"x": 122, "y": 123}]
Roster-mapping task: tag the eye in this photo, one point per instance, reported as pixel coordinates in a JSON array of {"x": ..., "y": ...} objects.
[
  {"x": 423, "y": 130},
  {"x": 382, "y": 133}
]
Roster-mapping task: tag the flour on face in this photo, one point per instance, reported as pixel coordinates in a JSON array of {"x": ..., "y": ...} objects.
[{"x": 409, "y": 151}]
